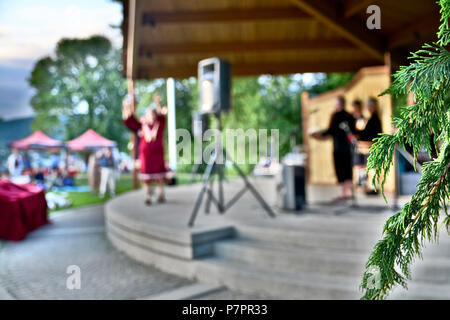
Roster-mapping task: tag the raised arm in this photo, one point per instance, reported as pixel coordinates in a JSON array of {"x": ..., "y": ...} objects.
[
  {"x": 332, "y": 127},
  {"x": 129, "y": 119},
  {"x": 160, "y": 110}
]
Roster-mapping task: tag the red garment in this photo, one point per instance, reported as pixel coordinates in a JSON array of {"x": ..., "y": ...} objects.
[
  {"x": 23, "y": 208},
  {"x": 151, "y": 154}
]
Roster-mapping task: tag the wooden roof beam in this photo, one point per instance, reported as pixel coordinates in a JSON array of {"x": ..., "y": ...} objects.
[
  {"x": 224, "y": 15},
  {"x": 408, "y": 34},
  {"x": 258, "y": 68},
  {"x": 240, "y": 46},
  {"x": 327, "y": 12},
  {"x": 352, "y": 7}
]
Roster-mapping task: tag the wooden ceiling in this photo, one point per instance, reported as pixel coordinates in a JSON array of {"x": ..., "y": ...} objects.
[{"x": 167, "y": 38}]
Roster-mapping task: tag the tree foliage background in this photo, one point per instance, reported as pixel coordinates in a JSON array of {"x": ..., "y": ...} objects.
[
  {"x": 81, "y": 87},
  {"x": 78, "y": 88}
]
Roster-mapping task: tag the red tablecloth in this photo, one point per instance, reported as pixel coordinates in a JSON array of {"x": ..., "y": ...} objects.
[{"x": 23, "y": 208}]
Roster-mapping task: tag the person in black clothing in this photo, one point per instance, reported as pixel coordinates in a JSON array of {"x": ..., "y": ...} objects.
[
  {"x": 366, "y": 136},
  {"x": 373, "y": 126},
  {"x": 341, "y": 128},
  {"x": 359, "y": 159}
]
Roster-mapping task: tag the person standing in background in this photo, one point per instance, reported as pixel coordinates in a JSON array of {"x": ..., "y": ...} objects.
[
  {"x": 15, "y": 164},
  {"x": 367, "y": 135},
  {"x": 373, "y": 126},
  {"x": 151, "y": 146},
  {"x": 107, "y": 174},
  {"x": 94, "y": 171},
  {"x": 360, "y": 121},
  {"x": 359, "y": 157},
  {"x": 341, "y": 128}
]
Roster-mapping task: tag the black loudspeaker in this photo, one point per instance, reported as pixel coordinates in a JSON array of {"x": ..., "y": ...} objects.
[
  {"x": 214, "y": 81},
  {"x": 200, "y": 123},
  {"x": 291, "y": 189},
  {"x": 300, "y": 187}
]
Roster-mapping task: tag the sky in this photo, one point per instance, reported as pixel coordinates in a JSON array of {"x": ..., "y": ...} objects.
[{"x": 30, "y": 29}]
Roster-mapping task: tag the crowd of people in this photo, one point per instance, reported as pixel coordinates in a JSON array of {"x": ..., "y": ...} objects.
[
  {"x": 20, "y": 170},
  {"x": 101, "y": 172},
  {"x": 352, "y": 136}
]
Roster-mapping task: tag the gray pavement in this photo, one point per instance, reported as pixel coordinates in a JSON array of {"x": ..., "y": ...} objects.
[{"x": 36, "y": 267}]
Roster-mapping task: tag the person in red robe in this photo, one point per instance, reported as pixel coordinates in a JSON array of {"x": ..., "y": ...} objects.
[{"x": 150, "y": 129}]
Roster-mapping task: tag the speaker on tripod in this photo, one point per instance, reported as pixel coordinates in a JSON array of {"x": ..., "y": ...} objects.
[
  {"x": 214, "y": 79},
  {"x": 200, "y": 123}
]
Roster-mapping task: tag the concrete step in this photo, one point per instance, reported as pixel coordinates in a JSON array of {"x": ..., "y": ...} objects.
[
  {"x": 292, "y": 259},
  {"x": 351, "y": 241},
  {"x": 328, "y": 262},
  {"x": 259, "y": 280},
  {"x": 193, "y": 291},
  {"x": 361, "y": 243},
  {"x": 184, "y": 244},
  {"x": 432, "y": 269},
  {"x": 421, "y": 291},
  {"x": 365, "y": 222},
  {"x": 347, "y": 224},
  {"x": 263, "y": 280}
]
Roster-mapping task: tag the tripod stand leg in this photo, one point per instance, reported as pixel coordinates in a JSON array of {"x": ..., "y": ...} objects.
[
  {"x": 254, "y": 192},
  {"x": 198, "y": 202},
  {"x": 221, "y": 196},
  {"x": 208, "y": 195}
]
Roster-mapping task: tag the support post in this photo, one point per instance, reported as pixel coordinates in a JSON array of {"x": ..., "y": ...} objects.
[
  {"x": 171, "y": 121},
  {"x": 134, "y": 155}
]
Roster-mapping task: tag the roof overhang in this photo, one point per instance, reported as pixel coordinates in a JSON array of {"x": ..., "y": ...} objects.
[{"x": 167, "y": 38}]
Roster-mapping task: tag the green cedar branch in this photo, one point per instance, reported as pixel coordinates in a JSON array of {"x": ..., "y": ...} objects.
[{"x": 405, "y": 232}]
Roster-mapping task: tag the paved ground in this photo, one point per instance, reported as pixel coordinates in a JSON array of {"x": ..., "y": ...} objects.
[{"x": 36, "y": 267}]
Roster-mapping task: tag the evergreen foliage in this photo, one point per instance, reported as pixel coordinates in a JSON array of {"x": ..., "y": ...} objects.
[
  {"x": 80, "y": 87},
  {"x": 405, "y": 233}
]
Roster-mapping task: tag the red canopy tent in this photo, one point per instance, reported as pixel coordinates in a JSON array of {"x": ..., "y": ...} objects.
[
  {"x": 89, "y": 140},
  {"x": 36, "y": 140}
]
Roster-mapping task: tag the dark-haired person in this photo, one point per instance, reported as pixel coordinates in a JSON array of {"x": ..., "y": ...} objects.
[
  {"x": 341, "y": 128},
  {"x": 373, "y": 126},
  {"x": 371, "y": 131},
  {"x": 151, "y": 146},
  {"x": 359, "y": 158},
  {"x": 360, "y": 121}
]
